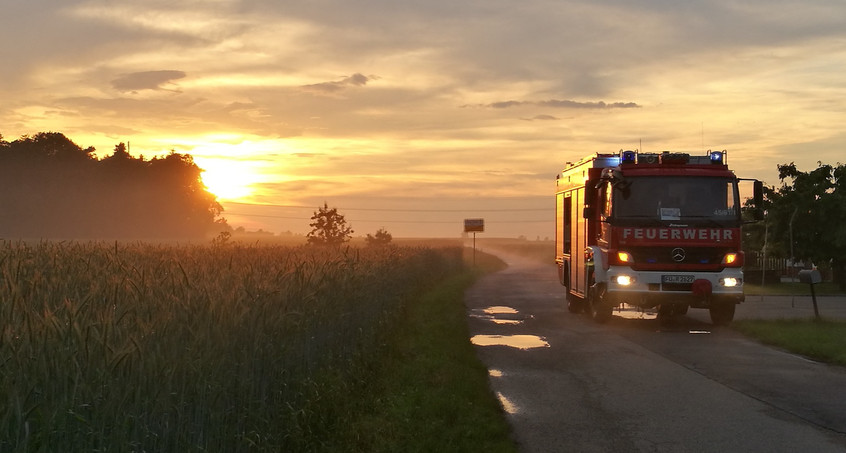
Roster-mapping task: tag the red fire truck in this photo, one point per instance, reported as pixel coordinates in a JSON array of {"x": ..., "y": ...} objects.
[{"x": 650, "y": 231}]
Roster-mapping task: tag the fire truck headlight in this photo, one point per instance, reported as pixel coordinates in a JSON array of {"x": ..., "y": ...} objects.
[
  {"x": 730, "y": 281},
  {"x": 624, "y": 280}
]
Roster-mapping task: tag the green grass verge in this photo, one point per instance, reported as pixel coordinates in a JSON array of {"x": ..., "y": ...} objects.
[
  {"x": 431, "y": 392},
  {"x": 792, "y": 289},
  {"x": 820, "y": 340}
]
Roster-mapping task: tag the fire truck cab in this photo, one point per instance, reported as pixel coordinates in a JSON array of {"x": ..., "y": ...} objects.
[{"x": 650, "y": 231}]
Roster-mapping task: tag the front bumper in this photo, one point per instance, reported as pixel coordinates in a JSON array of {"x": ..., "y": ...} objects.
[{"x": 651, "y": 288}]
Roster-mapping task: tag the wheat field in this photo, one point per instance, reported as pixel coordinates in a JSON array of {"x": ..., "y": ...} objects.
[{"x": 223, "y": 347}]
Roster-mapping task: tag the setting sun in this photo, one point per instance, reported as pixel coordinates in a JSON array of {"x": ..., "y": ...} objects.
[{"x": 229, "y": 180}]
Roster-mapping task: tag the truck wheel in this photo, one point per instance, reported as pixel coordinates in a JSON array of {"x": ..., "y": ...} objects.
[
  {"x": 666, "y": 314},
  {"x": 575, "y": 305},
  {"x": 722, "y": 313},
  {"x": 600, "y": 309}
]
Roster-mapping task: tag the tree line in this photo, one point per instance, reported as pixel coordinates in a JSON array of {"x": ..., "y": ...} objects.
[
  {"x": 52, "y": 188},
  {"x": 805, "y": 219}
]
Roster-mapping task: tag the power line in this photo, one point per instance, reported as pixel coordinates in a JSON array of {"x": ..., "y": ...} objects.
[
  {"x": 388, "y": 221},
  {"x": 395, "y": 209}
]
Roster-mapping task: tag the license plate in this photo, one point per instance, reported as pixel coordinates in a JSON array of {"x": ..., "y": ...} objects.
[{"x": 676, "y": 279}]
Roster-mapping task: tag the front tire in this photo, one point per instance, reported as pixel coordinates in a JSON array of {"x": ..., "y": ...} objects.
[
  {"x": 722, "y": 313},
  {"x": 666, "y": 315},
  {"x": 600, "y": 309}
]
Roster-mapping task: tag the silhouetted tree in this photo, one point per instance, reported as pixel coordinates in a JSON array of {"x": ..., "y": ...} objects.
[
  {"x": 807, "y": 215},
  {"x": 382, "y": 237},
  {"x": 180, "y": 194},
  {"x": 328, "y": 227},
  {"x": 120, "y": 153},
  {"x": 52, "y": 188},
  {"x": 52, "y": 145}
]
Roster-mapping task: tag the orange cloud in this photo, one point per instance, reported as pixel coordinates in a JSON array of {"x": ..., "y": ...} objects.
[
  {"x": 146, "y": 80},
  {"x": 355, "y": 80}
]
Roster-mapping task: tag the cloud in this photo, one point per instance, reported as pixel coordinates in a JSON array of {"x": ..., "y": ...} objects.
[
  {"x": 506, "y": 104},
  {"x": 541, "y": 118},
  {"x": 532, "y": 80},
  {"x": 587, "y": 105},
  {"x": 558, "y": 103},
  {"x": 146, "y": 80},
  {"x": 355, "y": 80}
]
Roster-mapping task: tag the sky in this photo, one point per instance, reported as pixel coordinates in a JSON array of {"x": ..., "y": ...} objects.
[{"x": 413, "y": 116}]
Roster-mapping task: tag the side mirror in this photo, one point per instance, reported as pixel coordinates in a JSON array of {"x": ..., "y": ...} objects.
[
  {"x": 758, "y": 193},
  {"x": 758, "y": 199}
]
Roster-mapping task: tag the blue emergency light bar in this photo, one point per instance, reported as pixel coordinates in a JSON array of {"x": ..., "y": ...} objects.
[{"x": 668, "y": 158}]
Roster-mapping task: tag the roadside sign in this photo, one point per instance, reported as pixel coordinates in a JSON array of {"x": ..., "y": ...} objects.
[{"x": 474, "y": 225}]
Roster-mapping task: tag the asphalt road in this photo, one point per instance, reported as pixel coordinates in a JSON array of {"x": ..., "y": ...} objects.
[{"x": 570, "y": 385}]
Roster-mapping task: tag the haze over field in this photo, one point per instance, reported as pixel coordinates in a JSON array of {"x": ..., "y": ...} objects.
[{"x": 415, "y": 115}]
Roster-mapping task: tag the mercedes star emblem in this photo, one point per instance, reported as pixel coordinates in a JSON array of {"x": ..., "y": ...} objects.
[{"x": 678, "y": 254}]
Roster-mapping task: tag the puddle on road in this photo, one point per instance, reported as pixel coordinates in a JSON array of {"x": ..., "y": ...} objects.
[
  {"x": 514, "y": 341},
  {"x": 500, "y": 309},
  {"x": 499, "y": 315},
  {"x": 681, "y": 329},
  {"x": 635, "y": 313},
  {"x": 495, "y": 373},
  {"x": 507, "y": 405}
]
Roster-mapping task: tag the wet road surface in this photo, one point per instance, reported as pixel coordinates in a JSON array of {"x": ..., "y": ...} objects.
[{"x": 568, "y": 384}]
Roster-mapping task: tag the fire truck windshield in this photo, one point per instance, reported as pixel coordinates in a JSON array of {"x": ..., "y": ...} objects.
[{"x": 691, "y": 200}]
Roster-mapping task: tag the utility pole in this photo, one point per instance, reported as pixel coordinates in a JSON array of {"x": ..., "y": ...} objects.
[
  {"x": 764, "y": 253},
  {"x": 792, "y": 256}
]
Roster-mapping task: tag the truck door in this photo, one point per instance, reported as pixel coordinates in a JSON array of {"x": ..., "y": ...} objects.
[
  {"x": 579, "y": 242},
  {"x": 563, "y": 236}
]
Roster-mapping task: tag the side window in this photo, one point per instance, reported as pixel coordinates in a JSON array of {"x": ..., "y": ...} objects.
[
  {"x": 605, "y": 206},
  {"x": 605, "y": 201},
  {"x": 731, "y": 208}
]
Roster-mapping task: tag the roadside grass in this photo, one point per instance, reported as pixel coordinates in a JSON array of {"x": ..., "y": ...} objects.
[
  {"x": 537, "y": 250},
  {"x": 792, "y": 289},
  {"x": 429, "y": 392},
  {"x": 820, "y": 340},
  {"x": 484, "y": 263},
  {"x": 823, "y": 340}
]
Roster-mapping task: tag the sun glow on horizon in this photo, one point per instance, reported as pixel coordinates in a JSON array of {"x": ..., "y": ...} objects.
[
  {"x": 229, "y": 179},
  {"x": 234, "y": 166}
]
